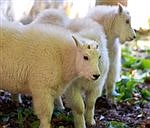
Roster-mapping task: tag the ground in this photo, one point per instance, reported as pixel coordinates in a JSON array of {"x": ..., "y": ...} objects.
[{"x": 107, "y": 114}]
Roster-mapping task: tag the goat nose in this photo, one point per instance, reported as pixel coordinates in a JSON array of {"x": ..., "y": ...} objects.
[
  {"x": 96, "y": 76},
  {"x": 134, "y": 37}
]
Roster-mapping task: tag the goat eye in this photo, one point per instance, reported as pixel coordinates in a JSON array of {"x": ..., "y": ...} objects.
[
  {"x": 88, "y": 46},
  {"x": 99, "y": 57},
  {"x": 127, "y": 21},
  {"x": 86, "y": 58}
]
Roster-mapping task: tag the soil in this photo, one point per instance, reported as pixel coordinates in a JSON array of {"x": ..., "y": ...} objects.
[{"x": 132, "y": 115}]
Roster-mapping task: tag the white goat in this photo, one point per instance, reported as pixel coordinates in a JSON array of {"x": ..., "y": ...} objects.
[
  {"x": 87, "y": 91},
  {"x": 117, "y": 25},
  {"x": 41, "y": 62},
  {"x": 89, "y": 29}
]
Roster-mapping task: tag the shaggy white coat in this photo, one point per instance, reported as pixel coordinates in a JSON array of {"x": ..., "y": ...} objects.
[
  {"x": 35, "y": 61},
  {"x": 82, "y": 89},
  {"x": 117, "y": 25},
  {"x": 51, "y": 16}
]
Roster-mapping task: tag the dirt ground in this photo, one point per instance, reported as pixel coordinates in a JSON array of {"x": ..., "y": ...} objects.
[{"x": 14, "y": 115}]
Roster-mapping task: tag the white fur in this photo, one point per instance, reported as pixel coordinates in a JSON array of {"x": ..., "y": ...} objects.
[
  {"x": 89, "y": 29},
  {"x": 41, "y": 62},
  {"x": 82, "y": 90},
  {"x": 113, "y": 19},
  {"x": 52, "y": 16}
]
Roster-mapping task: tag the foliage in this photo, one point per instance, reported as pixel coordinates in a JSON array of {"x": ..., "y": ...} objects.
[
  {"x": 22, "y": 115},
  {"x": 129, "y": 61},
  {"x": 126, "y": 88},
  {"x": 136, "y": 71},
  {"x": 129, "y": 91},
  {"x": 145, "y": 94},
  {"x": 60, "y": 115},
  {"x": 116, "y": 124}
]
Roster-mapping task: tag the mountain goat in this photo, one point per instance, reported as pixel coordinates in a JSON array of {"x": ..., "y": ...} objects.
[
  {"x": 82, "y": 91},
  {"x": 89, "y": 29},
  {"x": 42, "y": 62},
  {"x": 117, "y": 25}
]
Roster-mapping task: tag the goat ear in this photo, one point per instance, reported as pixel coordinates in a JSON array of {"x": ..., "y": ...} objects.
[
  {"x": 120, "y": 8},
  {"x": 76, "y": 41}
]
